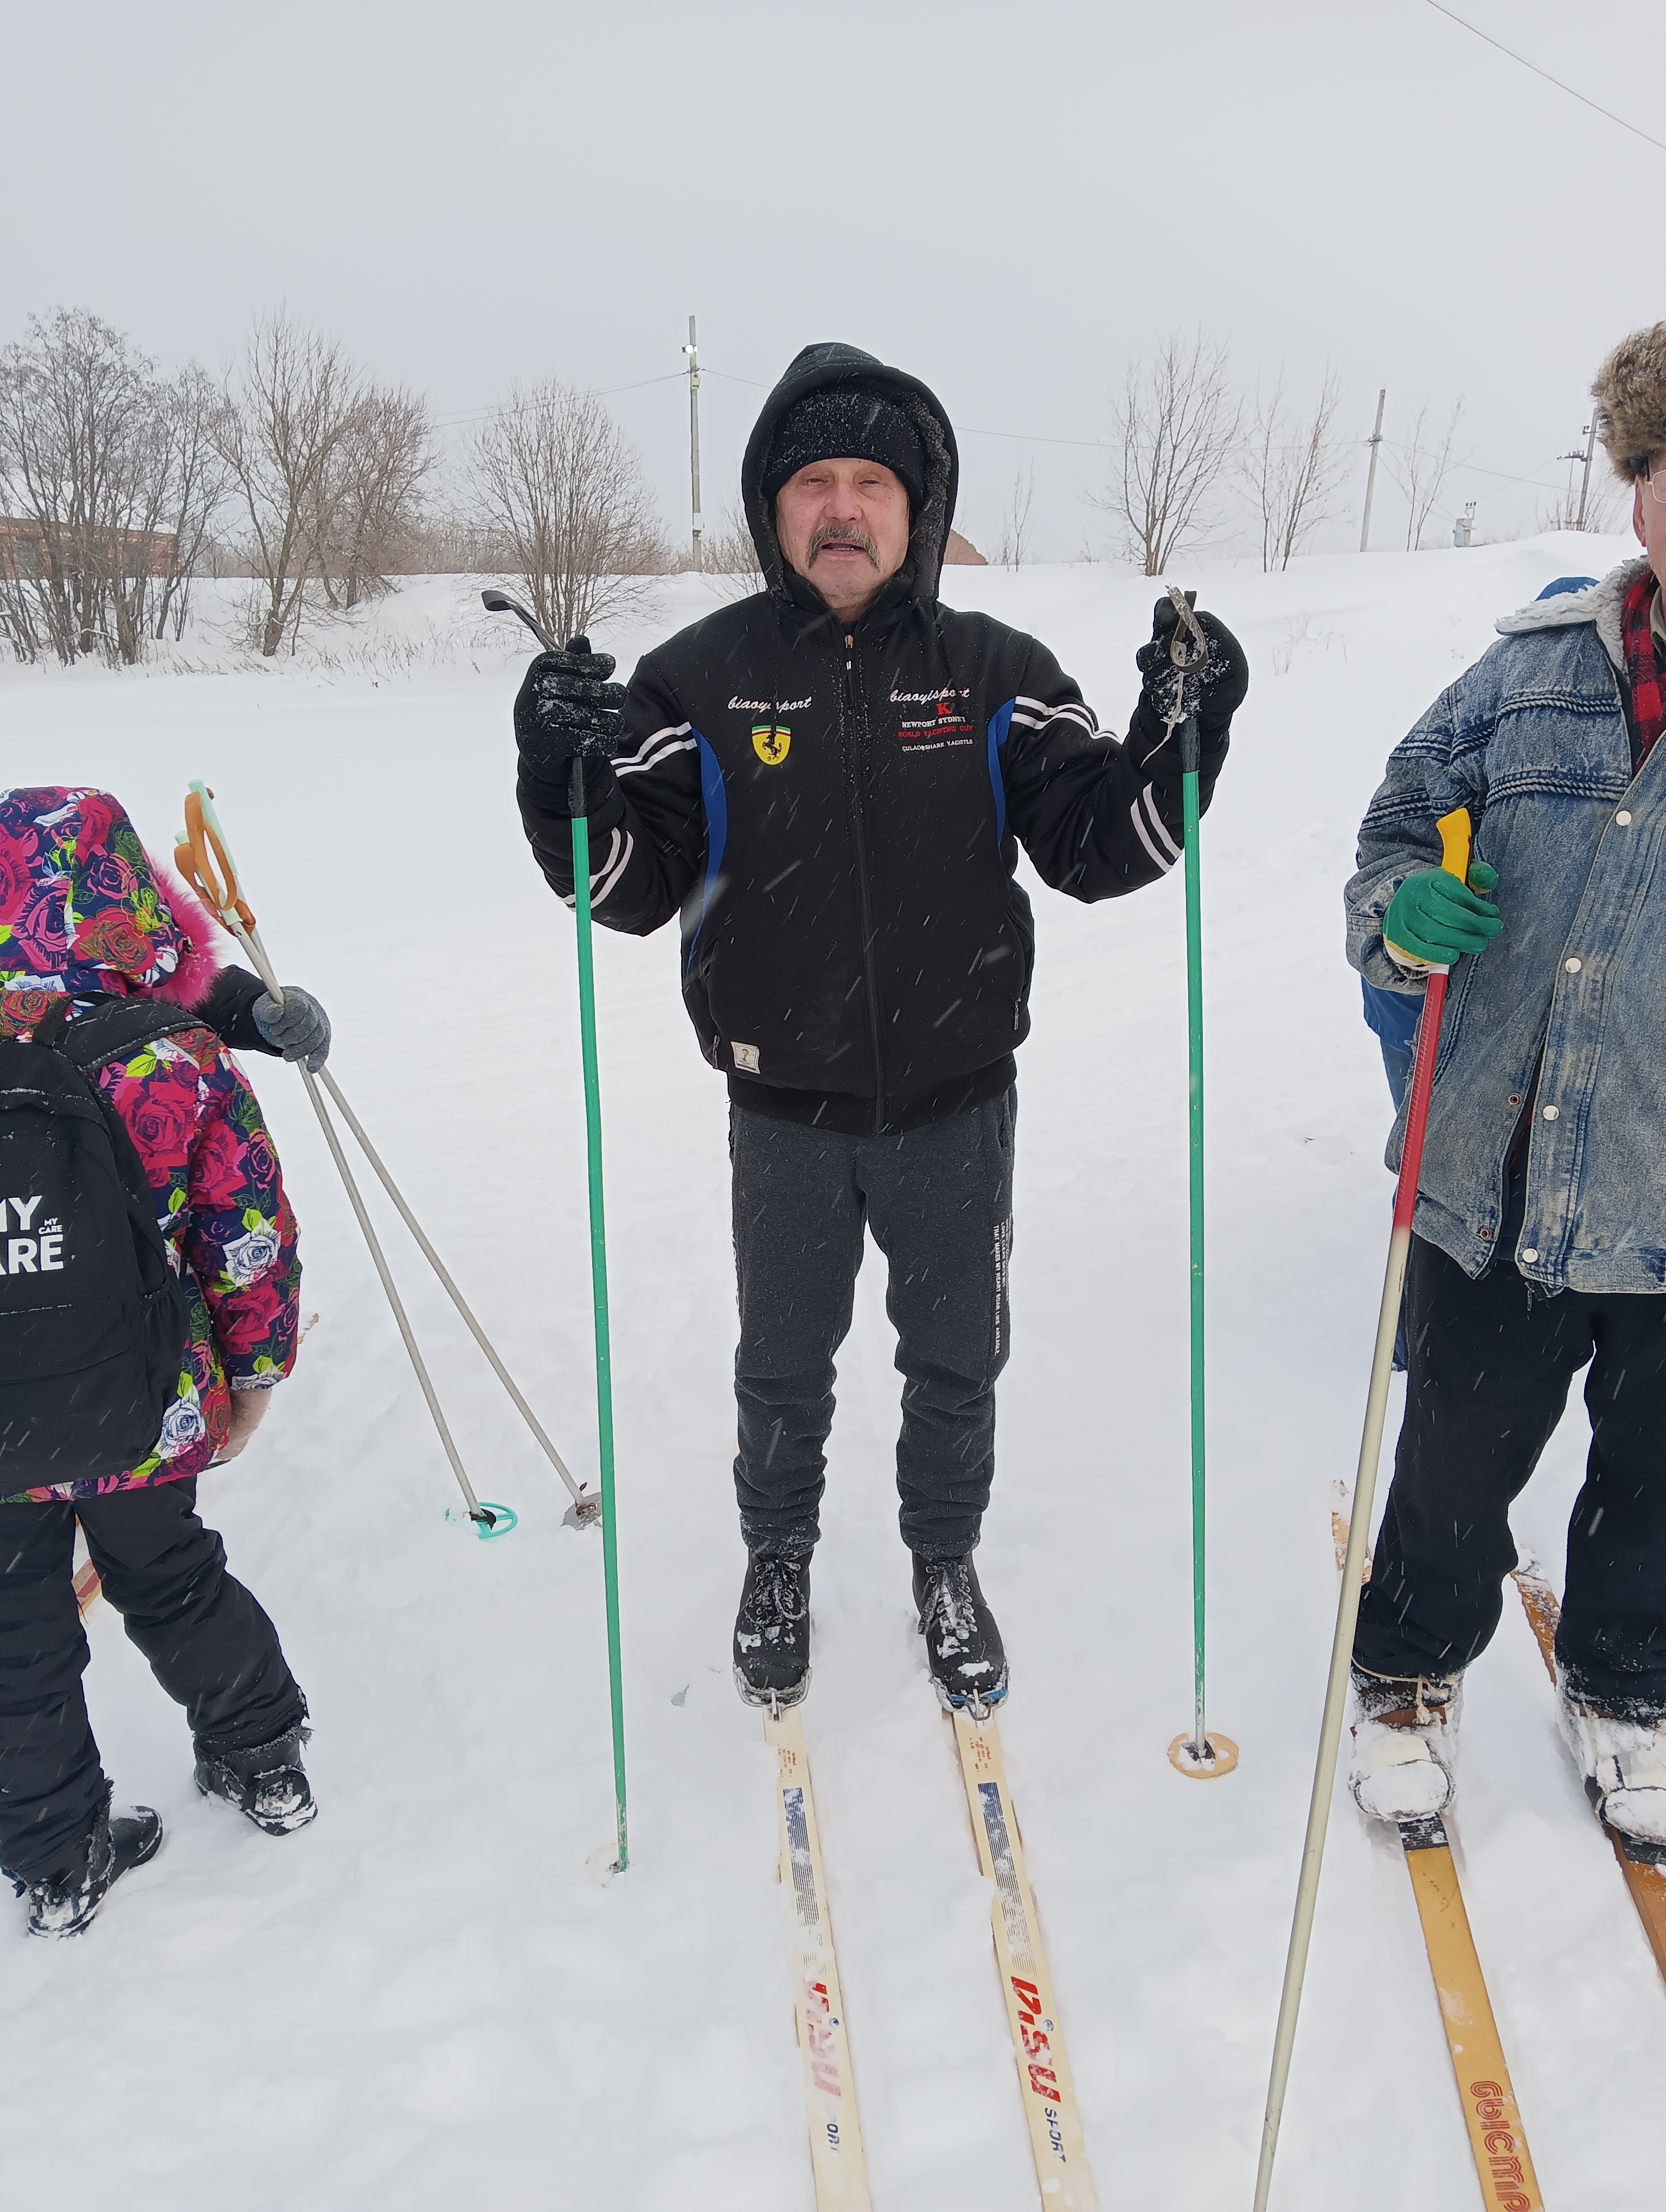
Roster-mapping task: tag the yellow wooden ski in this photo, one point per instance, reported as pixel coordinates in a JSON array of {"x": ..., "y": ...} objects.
[
  {"x": 1646, "y": 1877},
  {"x": 1508, "y": 2183},
  {"x": 1044, "y": 2078},
  {"x": 1503, "y": 2162},
  {"x": 830, "y": 2087}
]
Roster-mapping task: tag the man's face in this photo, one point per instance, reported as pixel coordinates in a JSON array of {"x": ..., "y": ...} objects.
[
  {"x": 844, "y": 526},
  {"x": 1649, "y": 511}
]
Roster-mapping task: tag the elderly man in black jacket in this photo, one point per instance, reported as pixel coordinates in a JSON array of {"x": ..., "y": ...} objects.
[{"x": 830, "y": 783}]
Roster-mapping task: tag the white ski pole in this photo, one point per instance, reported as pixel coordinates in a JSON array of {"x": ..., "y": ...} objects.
[
  {"x": 196, "y": 856},
  {"x": 1454, "y": 831},
  {"x": 588, "y": 1509}
]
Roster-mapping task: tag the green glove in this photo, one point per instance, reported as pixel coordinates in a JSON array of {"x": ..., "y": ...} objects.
[{"x": 1436, "y": 918}]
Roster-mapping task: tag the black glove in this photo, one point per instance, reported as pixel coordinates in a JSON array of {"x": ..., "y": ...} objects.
[
  {"x": 1213, "y": 693},
  {"x": 566, "y": 711},
  {"x": 298, "y": 1029}
]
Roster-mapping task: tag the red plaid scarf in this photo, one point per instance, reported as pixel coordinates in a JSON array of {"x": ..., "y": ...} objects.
[{"x": 1642, "y": 669}]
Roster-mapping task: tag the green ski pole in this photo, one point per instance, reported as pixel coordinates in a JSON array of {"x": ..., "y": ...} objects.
[
  {"x": 592, "y": 1126},
  {"x": 498, "y": 602},
  {"x": 1196, "y": 1755}
]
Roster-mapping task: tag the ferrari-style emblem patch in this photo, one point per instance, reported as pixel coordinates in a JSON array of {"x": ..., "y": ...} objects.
[{"x": 770, "y": 741}]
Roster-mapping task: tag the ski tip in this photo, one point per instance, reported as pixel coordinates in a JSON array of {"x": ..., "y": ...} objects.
[{"x": 1220, "y": 1756}]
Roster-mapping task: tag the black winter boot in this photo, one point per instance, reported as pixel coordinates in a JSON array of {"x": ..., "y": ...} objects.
[
  {"x": 772, "y": 1632},
  {"x": 65, "y": 1903},
  {"x": 962, "y": 1645},
  {"x": 269, "y": 1783}
]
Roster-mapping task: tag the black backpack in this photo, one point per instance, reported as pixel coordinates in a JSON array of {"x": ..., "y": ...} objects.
[{"x": 93, "y": 1322}]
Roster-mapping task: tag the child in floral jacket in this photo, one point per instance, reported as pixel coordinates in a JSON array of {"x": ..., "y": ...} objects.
[{"x": 85, "y": 914}]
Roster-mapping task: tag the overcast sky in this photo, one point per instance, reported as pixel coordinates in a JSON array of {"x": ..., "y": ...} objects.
[{"x": 1009, "y": 200}]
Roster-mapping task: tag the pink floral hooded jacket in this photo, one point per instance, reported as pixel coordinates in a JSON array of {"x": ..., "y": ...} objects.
[{"x": 83, "y": 909}]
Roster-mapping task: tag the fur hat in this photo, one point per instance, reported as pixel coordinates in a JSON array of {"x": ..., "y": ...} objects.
[{"x": 1630, "y": 392}]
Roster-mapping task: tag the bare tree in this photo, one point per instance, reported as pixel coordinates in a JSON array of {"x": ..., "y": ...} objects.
[
  {"x": 730, "y": 555},
  {"x": 280, "y": 434},
  {"x": 557, "y": 479},
  {"x": 1177, "y": 422},
  {"x": 369, "y": 499},
  {"x": 1293, "y": 469},
  {"x": 88, "y": 472},
  {"x": 1012, "y": 548},
  {"x": 194, "y": 485},
  {"x": 1420, "y": 467}
]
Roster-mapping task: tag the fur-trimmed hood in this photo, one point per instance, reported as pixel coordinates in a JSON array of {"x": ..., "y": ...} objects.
[
  {"x": 1601, "y": 604},
  {"x": 83, "y": 908},
  {"x": 832, "y": 362}
]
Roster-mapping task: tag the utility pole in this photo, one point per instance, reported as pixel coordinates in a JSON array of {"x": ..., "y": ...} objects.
[
  {"x": 693, "y": 352},
  {"x": 1584, "y": 487},
  {"x": 1579, "y": 454},
  {"x": 1375, "y": 440}
]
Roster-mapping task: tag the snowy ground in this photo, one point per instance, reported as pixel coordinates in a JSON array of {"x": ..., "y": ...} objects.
[{"x": 434, "y": 1996}]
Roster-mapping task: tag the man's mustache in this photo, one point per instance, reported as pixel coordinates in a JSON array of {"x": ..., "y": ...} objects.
[{"x": 843, "y": 533}]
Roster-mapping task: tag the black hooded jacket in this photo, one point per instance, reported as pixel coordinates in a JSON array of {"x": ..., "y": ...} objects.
[{"x": 836, "y": 816}]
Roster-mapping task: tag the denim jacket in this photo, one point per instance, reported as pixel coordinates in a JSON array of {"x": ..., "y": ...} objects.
[{"x": 1532, "y": 740}]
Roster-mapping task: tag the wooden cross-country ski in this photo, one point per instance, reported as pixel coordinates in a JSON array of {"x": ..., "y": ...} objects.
[
  {"x": 830, "y": 2087},
  {"x": 1508, "y": 2183},
  {"x": 1038, "y": 2045},
  {"x": 1503, "y": 2162},
  {"x": 89, "y": 1588},
  {"x": 1645, "y": 1875}
]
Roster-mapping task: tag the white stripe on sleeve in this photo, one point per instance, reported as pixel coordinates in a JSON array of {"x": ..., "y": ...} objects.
[
  {"x": 1137, "y": 819},
  {"x": 1148, "y": 800}
]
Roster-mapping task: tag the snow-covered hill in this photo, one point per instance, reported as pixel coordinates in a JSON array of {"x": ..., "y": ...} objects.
[{"x": 434, "y": 1996}]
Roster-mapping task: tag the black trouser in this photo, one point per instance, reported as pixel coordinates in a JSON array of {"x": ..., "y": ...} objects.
[
  {"x": 1487, "y": 1381},
  {"x": 939, "y": 1203},
  {"x": 209, "y": 1643}
]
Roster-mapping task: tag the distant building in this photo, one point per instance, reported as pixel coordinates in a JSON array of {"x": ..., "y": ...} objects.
[
  {"x": 961, "y": 553},
  {"x": 24, "y": 552}
]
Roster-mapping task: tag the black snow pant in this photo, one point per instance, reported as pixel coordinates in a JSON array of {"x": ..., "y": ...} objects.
[
  {"x": 1486, "y": 1382},
  {"x": 939, "y": 1203},
  {"x": 209, "y": 1645}
]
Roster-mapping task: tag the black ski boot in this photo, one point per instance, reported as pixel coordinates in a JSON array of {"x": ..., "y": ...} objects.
[
  {"x": 962, "y": 1645},
  {"x": 268, "y": 1783},
  {"x": 772, "y": 1633},
  {"x": 65, "y": 1903}
]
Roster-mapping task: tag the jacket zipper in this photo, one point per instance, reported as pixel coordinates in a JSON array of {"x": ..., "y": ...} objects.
[{"x": 857, "y": 754}]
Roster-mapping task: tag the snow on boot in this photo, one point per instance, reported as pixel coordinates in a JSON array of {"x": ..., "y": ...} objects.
[
  {"x": 268, "y": 1783},
  {"x": 962, "y": 1645},
  {"x": 66, "y": 1902},
  {"x": 1405, "y": 1744},
  {"x": 772, "y": 1632},
  {"x": 1623, "y": 1761}
]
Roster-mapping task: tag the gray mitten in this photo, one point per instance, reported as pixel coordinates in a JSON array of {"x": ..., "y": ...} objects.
[{"x": 298, "y": 1029}]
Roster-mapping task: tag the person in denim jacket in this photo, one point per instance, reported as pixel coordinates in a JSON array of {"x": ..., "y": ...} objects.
[{"x": 1540, "y": 1242}]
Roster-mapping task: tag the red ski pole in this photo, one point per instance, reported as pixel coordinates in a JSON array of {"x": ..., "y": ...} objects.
[{"x": 1455, "y": 834}]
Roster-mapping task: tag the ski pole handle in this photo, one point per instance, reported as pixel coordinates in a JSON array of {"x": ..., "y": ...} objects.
[
  {"x": 1455, "y": 834},
  {"x": 200, "y": 857}
]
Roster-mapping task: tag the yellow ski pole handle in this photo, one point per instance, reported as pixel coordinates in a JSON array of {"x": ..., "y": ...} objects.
[{"x": 1455, "y": 833}]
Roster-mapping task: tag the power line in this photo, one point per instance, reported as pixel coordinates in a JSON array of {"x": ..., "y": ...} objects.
[
  {"x": 451, "y": 422},
  {"x": 966, "y": 430},
  {"x": 1583, "y": 98},
  {"x": 962, "y": 429}
]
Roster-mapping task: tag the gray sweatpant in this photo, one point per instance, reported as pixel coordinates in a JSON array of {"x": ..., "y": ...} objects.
[{"x": 939, "y": 1203}]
